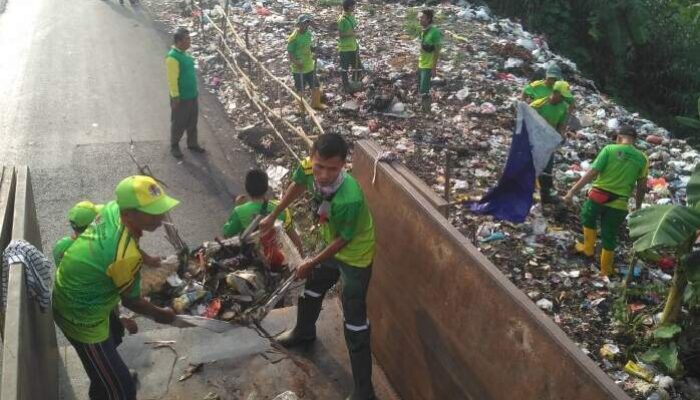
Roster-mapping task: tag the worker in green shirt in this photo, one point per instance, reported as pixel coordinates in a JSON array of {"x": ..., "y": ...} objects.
[
  {"x": 347, "y": 45},
  {"x": 257, "y": 203},
  {"x": 347, "y": 230},
  {"x": 79, "y": 217},
  {"x": 101, "y": 268},
  {"x": 182, "y": 85},
  {"x": 614, "y": 173},
  {"x": 430, "y": 39},
  {"x": 302, "y": 63},
  {"x": 554, "y": 110}
]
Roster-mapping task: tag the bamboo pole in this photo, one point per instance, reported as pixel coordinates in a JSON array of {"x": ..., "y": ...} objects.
[
  {"x": 241, "y": 45},
  {"x": 249, "y": 87}
]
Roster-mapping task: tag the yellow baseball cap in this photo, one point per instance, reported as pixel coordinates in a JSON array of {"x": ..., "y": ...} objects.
[
  {"x": 83, "y": 213},
  {"x": 143, "y": 193},
  {"x": 563, "y": 88}
]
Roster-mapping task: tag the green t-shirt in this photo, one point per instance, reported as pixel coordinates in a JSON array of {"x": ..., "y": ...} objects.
[
  {"x": 554, "y": 114},
  {"x": 103, "y": 264},
  {"x": 349, "y": 218},
  {"x": 60, "y": 248},
  {"x": 299, "y": 46},
  {"x": 241, "y": 216},
  {"x": 538, "y": 90},
  {"x": 431, "y": 37},
  {"x": 347, "y": 23},
  {"x": 620, "y": 166}
]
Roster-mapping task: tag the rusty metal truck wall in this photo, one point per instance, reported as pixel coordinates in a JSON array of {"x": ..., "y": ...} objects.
[
  {"x": 30, "y": 354},
  {"x": 446, "y": 324}
]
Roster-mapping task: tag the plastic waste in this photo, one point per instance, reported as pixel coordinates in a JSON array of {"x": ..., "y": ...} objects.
[
  {"x": 182, "y": 303},
  {"x": 639, "y": 371}
]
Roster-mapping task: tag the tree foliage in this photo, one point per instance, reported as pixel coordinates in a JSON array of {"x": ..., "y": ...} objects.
[{"x": 645, "y": 52}]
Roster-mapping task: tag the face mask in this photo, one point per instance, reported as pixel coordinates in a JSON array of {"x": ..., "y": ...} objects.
[{"x": 328, "y": 191}]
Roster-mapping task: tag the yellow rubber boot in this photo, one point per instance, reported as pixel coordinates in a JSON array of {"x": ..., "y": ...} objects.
[
  {"x": 316, "y": 100},
  {"x": 588, "y": 246},
  {"x": 607, "y": 259}
]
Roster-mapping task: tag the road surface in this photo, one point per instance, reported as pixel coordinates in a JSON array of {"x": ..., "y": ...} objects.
[{"x": 81, "y": 79}]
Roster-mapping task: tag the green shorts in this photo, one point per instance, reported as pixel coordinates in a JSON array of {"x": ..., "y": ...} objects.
[
  {"x": 424, "y": 76},
  {"x": 611, "y": 219}
]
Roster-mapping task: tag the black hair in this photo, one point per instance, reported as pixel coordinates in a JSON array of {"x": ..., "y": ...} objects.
[
  {"x": 330, "y": 145},
  {"x": 180, "y": 34},
  {"x": 256, "y": 183},
  {"x": 429, "y": 13},
  {"x": 347, "y": 4},
  {"x": 627, "y": 130}
]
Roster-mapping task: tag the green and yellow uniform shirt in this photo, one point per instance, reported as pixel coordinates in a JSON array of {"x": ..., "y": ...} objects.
[
  {"x": 620, "y": 166},
  {"x": 241, "y": 216},
  {"x": 102, "y": 264},
  {"x": 347, "y": 24},
  {"x": 431, "y": 38},
  {"x": 182, "y": 78},
  {"x": 60, "y": 248},
  {"x": 299, "y": 46},
  {"x": 538, "y": 90},
  {"x": 349, "y": 218},
  {"x": 554, "y": 114}
]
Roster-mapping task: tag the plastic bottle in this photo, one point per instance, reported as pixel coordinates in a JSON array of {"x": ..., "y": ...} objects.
[{"x": 180, "y": 304}]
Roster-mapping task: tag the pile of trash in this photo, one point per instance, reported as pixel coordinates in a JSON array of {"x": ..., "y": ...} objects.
[
  {"x": 238, "y": 280},
  {"x": 485, "y": 63}
]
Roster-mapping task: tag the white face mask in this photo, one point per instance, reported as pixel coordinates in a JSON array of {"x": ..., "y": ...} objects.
[{"x": 329, "y": 190}]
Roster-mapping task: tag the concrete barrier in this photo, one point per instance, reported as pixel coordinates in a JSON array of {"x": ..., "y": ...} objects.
[
  {"x": 30, "y": 353},
  {"x": 446, "y": 324}
]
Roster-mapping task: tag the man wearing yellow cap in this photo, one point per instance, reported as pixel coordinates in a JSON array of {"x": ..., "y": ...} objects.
[
  {"x": 79, "y": 217},
  {"x": 101, "y": 268},
  {"x": 554, "y": 109}
]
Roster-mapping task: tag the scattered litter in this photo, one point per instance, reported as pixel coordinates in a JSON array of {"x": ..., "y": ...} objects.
[
  {"x": 545, "y": 304},
  {"x": 191, "y": 370}
]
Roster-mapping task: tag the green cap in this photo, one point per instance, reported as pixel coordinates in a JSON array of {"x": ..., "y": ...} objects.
[
  {"x": 143, "y": 193},
  {"x": 563, "y": 88},
  {"x": 553, "y": 71},
  {"x": 83, "y": 213},
  {"x": 304, "y": 18}
]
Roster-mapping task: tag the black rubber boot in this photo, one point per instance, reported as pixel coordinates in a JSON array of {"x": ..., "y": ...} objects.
[
  {"x": 361, "y": 364},
  {"x": 308, "y": 310}
]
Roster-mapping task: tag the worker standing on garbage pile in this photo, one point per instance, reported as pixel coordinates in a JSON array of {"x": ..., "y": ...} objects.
[
  {"x": 257, "y": 203},
  {"x": 102, "y": 267},
  {"x": 348, "y": 234},
  {"x": 182, "y": 85},
  {"x": 348, "y": 48},
  {"x": 554, "y": 110},
  {"x": 614, "y": 173},
  {"x": 430, "y": 43},
  {"x": 302, "y": 63},
  {"x": 80, "y": 217},
  {"x": 543, "y": 88}
]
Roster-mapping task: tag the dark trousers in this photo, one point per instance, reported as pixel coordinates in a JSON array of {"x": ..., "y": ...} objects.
[
  {"x": 305, "y": 81},
  {"x": 109, "y": 376},
  {"x": 349, "y": 60},
  {"x": 184, "y": 118},
  {"x": 354, "y": 284},
  {"x": 424, "y": 76},
  {"x": 547, "y": 179}
]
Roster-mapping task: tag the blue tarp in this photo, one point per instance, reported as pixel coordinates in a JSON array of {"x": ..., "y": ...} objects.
[{"x": 534, "y": 142}]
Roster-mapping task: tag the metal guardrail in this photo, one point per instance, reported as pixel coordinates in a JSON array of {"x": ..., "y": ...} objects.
[{"x": 30, "y": 352}]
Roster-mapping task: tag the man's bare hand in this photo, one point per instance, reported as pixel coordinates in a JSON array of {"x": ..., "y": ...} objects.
[
  {"x": 266, "y": 224},
  {"x": 303, "y": 270}
]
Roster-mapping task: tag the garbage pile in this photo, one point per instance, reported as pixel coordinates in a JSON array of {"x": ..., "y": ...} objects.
[
  {"x": 485, "y": 63},
  {"x": 232, "y": 280}
]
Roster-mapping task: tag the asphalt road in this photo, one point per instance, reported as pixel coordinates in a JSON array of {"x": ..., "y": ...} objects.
[{"x": 80, "y": 79}]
